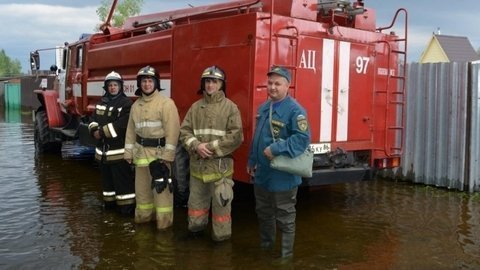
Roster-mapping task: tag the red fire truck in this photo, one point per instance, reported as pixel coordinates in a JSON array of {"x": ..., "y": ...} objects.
[{"x": 347, "y": 72}]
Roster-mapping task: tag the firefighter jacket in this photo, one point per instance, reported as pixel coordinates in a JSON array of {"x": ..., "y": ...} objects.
[
  {"x": 215, "y": 120},
  {"x": 153, "y": 117},
  {"x": 110, "y": 119},
  {"x": 289, "y": 123}
]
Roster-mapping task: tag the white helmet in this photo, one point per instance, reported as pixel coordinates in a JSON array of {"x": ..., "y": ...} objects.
[{"x": 113, "y": 76}]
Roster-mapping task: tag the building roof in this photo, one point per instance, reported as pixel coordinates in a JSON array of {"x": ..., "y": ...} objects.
[{"x": 443, "y": 48}]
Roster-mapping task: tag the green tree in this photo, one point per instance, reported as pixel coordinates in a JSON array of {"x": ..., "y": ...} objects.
[
  {"x": 123, "y": 10},
  {"x": 9, "y": 67}
]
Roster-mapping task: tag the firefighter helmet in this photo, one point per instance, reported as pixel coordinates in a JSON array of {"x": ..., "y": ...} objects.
[
  {"x": 113, "y": 76},
  {"x": 147, "y": 71},
  {"x": 213, "y": 72}
]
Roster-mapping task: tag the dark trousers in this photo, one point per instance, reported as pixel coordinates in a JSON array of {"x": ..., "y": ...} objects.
[
  {"x": 118, "y": 185},
  {"x": 275, "y": 208}
]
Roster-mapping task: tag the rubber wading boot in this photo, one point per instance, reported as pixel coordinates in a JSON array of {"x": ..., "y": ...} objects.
[
  {"x": 288, "y": 240},
  {"x": 267, "y": 238},
  {"x": 286, "y": 257}
]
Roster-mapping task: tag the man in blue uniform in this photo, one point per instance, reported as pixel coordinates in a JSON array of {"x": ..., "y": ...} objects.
[{"x": 276, "y": 191}]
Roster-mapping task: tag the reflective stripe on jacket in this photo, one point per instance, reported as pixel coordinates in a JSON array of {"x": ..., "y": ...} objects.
[
  {"x": 154, "y": 116},
  {"x": 110, "y": 119}
]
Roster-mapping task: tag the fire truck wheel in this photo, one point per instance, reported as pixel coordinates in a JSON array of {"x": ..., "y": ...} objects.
[
  {"x": 181, "y": 174},
  {"x": 42, "y": 135}
]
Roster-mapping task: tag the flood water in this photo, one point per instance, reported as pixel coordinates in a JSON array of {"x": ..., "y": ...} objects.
[{"x": 51, "y": 217}]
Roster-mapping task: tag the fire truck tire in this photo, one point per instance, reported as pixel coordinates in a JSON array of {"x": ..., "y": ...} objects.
[
  {"x": 181, "y": 174},
  {"x": 42, "y": 135}
]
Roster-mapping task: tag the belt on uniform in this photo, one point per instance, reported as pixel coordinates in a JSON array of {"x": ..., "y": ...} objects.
[{"x": 149, "y": 142}]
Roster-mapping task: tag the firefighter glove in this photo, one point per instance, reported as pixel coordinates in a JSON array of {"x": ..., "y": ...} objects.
[
  {"x": 159, "y": 184},
  {"x": 92, "y": 127},
  {"x": 224, "y": 191},
  {"x": 160, "y": 175}
]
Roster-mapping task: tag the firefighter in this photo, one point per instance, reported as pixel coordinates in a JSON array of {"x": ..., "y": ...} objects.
[
  {"x": 151, "y": 140},
  {"x": 276, "y": 191},
  {"x": 108, "y": 128},
  {"x": 210, "y": 132}
]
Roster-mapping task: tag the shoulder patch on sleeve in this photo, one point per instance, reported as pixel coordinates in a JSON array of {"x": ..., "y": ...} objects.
[{"x": 302, "y": 122}]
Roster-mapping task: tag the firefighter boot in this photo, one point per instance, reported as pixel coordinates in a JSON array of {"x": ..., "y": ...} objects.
[
  {"x": 109, "y": 205},
  {"x": 127, "y": 210},
  {"x": 287, "y": 244},
  {"x": 164, "y": 209}
]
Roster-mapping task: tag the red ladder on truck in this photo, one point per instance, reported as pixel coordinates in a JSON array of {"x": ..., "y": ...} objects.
[{"x": 395, "y": 98}]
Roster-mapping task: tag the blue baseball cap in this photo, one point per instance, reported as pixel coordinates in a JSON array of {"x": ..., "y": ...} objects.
[{"x": 280, "y": 71}]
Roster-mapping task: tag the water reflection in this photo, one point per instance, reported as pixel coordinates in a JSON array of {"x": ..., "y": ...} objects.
[
  {"x": 13, "y": 115},
  {"x": 52, "y": 218}
]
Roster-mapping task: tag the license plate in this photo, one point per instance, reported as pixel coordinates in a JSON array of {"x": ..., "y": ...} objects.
[{"x": 320, "y": 148}]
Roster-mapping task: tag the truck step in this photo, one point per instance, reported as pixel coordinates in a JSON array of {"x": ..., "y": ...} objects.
[{"x": 70, "y": 133}]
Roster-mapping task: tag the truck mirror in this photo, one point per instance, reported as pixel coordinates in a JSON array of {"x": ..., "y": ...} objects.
[
  {"x": 64, "y": 57},
  {"x": 53, "y": 68},
  {"x": 34, "y": 60}
]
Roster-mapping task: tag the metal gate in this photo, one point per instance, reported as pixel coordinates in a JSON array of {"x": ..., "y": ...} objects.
[{"x": 442, "y": 132}]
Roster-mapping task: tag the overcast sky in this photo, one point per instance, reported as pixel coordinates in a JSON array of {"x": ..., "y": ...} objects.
[{"x": 28, "y": 25}]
